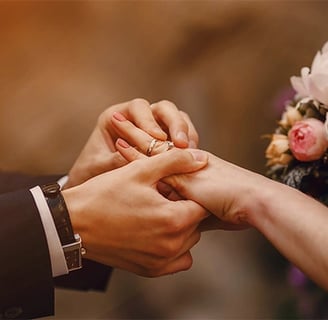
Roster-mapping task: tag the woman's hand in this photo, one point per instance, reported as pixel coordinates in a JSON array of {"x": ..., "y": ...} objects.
[
  {"x": 220, "y": 187},
  {"x": 292, "y": 221},
  {"x": 201, "y": 187},
  {"x": 161, "y": 120}
]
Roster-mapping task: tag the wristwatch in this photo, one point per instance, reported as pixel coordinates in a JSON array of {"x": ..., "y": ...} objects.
[{"x": 71, "y": 243}]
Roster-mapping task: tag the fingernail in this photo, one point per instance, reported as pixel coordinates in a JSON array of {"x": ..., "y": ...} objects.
[
  {"x": 192, "y": 144},
  {"x": 199, "y": 155},
  {"x": 182, "y": 136},
  {"x": 123, "y": 143},
  {"x": 119, "y": 116}
]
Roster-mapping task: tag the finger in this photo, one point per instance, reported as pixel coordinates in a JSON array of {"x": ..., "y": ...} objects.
[
  {"x": 127, "y": 151},
  {"x": 167, "y": 113},
  {"x": 182, "y": 263},
  {"x": 174, "y": 195},
  {"x": 164, "y": 189},
  {"x": 191, "y": 241},
  {"x": 192, "y": 132},
  {"x": 138, "y": 111},
  {"x": 129, "y": 132},
  {"x": 168, "y": 192},
  {"x": 175, "y": 161},
  {"x": 137, "y": 137}
]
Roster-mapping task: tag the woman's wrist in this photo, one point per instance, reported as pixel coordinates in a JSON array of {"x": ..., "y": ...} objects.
[
  {"x": 273, "y": 204},
  {"x": 258, "y": 200}
]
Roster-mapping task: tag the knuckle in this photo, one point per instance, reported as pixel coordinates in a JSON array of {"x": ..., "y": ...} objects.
[
  {"x": 176, "y": 224},
  {"x": 179, "y": 154},
  {"x": 187, "y": 263},
  {"x": 163, "y": 104},
  {"x": 182, "y": 157},
  {"x": 167, "y": 103},
  {"x": 103, "y": 119},
  {"x": 171, "y": 248},
  {"x": 172, "y": 221},
  {"x": 184, "y": 114},
  {"x": 139, "y": 102}
]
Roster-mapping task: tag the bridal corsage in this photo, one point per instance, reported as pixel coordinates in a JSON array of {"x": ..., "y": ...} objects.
[{"x": 298, "y": 151}]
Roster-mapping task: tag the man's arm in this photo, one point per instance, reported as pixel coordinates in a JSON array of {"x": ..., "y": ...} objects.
[
  {"x": 26, "y": 286},
  {"x": 14, "y": 206}
]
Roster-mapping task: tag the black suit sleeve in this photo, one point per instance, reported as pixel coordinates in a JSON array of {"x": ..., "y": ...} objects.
[
  {"x": 19, "y": 216},
  {"x": 26, "y": 285}
]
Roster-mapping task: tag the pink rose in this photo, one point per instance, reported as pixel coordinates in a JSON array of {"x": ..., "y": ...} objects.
[{"x": 308, "y": 140}]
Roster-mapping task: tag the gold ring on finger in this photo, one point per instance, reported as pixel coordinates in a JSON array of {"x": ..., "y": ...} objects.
[{"x": 151, "y": 147}]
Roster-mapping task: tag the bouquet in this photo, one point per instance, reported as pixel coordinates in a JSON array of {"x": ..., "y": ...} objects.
[{"x": 297, "y": 155}]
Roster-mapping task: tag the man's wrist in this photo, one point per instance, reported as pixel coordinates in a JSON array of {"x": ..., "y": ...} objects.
[
  {"x": 56, "y": 253},
  {"x": 71, "y": 243}
]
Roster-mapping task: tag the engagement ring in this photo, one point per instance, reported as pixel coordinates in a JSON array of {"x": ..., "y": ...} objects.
[
  {"x": 161, "y": 146},
  {"x": 151, "y": 147}
]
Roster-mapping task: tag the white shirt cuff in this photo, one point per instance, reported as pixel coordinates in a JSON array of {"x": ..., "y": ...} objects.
[
  {"x": 62, "y": 181},
  {"x": 57, "y": 257}
]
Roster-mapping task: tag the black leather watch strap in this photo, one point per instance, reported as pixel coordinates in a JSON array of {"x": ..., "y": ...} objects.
[{"x": 59, "y": 212}]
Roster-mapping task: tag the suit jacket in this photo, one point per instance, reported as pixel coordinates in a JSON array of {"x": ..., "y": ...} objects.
[{"x": 26, "y": 283}]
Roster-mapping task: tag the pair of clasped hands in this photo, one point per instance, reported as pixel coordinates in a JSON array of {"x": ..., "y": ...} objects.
[
  {"x": 141, "y": 205},
  {"x": 136, "y": 212}
]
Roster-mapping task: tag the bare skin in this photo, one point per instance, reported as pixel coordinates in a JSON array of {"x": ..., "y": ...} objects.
[
  {"x": 294, "y": 222},
  {"x": 115, "y": 206},
  {"x": 161, "y": 120},
  {"x": 126, "y": 223}
]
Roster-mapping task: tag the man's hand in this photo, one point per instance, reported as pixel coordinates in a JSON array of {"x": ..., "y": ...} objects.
[{"x": 126, "y": 223}]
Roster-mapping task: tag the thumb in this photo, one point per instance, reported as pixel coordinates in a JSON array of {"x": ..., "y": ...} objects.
[{"x": 176, "y": 161}]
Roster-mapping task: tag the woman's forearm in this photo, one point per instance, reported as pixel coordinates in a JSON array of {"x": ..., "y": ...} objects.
[{"x": 296, "y": 224}]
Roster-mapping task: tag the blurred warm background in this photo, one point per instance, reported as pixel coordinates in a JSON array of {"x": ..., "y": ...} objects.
[{"x": 224, "y": 62}]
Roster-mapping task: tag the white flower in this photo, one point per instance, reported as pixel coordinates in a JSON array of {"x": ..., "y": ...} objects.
[{"x": 314, "y": 83}]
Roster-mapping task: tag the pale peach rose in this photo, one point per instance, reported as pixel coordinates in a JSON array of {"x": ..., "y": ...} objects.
[
  {"x": 289, "y": 117},
  {"x": 308, "y": 140},
  {"x": 313, "y": 82},
  {"x": 275, "y": 152}
]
